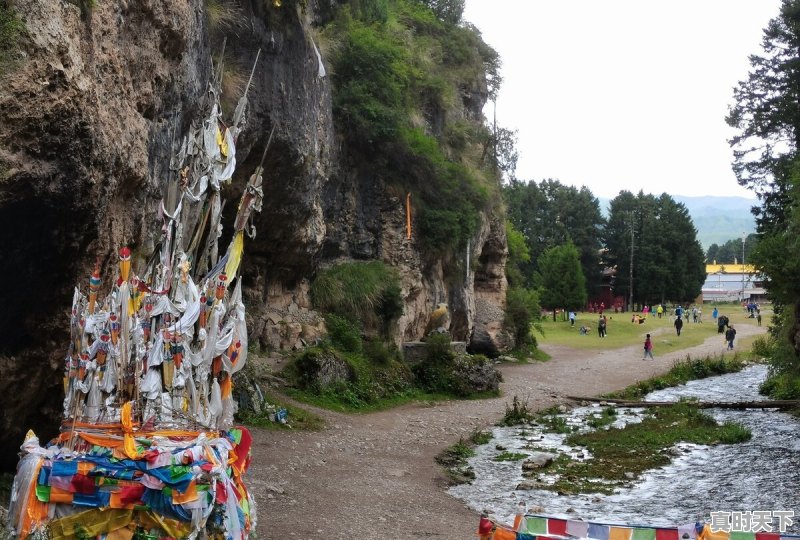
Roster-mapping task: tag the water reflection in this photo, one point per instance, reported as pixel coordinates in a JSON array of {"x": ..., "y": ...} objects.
[{"x": 761, "y": 474}]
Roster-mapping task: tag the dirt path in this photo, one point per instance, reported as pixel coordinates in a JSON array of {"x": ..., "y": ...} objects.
[{"x": 374, "y": 476}]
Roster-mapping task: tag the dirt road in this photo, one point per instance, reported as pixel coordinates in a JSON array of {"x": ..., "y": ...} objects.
[{"x": 373, "y": 476}]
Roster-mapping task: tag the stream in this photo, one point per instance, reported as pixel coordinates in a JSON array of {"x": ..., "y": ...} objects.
[{"x": 761, "y": 474}]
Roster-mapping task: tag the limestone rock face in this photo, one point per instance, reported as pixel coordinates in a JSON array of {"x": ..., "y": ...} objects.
[
  {"x": 86, "y": 124},
  {"x": 489, "y": 336},
  {"x": 89, "y": 118}
]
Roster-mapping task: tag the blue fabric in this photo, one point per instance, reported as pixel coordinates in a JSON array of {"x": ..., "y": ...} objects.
[
  {"x": 177, "y": 477},
  {"x": 525, "y": 536},
  {"x": 44, "y": 476},
  {"x": 598, "y": 532},
  {"x": 96, "y": 500},
  {"x": 161, "y": 503},
  {"x": 64, "y": 468}
]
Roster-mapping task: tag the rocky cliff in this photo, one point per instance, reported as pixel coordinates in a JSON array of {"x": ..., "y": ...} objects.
[{"x": 97, "y": 101}]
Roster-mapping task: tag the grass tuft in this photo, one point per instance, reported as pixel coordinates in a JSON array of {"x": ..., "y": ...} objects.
[
  {"x": 519, "y": 412},
  {"x": 681, "y": 372}
]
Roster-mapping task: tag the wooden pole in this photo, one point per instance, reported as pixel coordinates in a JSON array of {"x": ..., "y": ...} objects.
[
  {"x": 774, "y": 404},
  {"x": 408, "y": 215}
]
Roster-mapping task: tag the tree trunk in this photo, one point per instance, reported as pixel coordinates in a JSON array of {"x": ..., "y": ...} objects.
[{"x": 767, "y": 404}]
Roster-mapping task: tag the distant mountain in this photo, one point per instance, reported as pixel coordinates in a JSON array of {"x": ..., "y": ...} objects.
[{"x": 717, "y": 219}]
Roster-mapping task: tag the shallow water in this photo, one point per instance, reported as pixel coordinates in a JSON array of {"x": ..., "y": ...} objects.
[{"x": 761, "y": 474}]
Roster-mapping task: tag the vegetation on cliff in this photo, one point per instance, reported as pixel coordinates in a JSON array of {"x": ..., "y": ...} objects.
[
  {"x": 10, "y": 30},
  {"x": 358, "y": 367},
  {"x": 410, "y": 81}
]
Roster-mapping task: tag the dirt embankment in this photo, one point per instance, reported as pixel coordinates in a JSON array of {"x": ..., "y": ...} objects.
[{"x": 373, "y": 476}]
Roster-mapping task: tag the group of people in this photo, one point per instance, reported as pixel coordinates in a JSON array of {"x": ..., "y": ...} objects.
[
  {"x": 680, "y": 313},
  {"x": 602, "y": 325}
]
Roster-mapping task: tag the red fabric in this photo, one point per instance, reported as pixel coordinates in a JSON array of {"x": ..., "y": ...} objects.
[
  {"x": 485, "y": 526},
  {"x": 243, "y": 450},
  {"x": 557, "y": 527},
  {"x": 766, "y": 536},
  {"x": 82, "y": 484},
  {"x": 666, "y": 534},
  {"x": 222, "y": 493},
  {"x": 131, "y": 494}
]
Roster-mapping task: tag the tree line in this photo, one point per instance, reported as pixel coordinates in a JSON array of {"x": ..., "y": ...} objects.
[
  {"x": 732, "y": 251},
  {"x": 570, "y": 250}
]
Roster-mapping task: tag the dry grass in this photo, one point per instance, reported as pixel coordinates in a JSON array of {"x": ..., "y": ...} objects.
[{"x": 224, "y": 15}]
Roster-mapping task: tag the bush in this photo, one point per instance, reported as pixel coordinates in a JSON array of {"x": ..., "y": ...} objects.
[
  {"x": 379, "y": 353},
  {"x": 517, "y": 413},
  {"x": 343, "y": 333},
  {"x": 435, "y": 372},
  {"x": 522, "y": 309},
  {"x": 762, "y": 347},
  {"x": 371, "y": 78},
  {"x": 365, "y": 292},
  {"x": 781, "y": 386}
]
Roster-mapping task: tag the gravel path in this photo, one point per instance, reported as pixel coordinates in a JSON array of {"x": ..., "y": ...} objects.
[{"x": 373, "y": 476}]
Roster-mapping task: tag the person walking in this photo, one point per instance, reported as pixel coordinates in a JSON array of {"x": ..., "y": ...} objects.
[
  {"x": 678, "y": 324},
  {"x": 730, "y": 335},
  {"x": 572, "y": 318},
  {"x": 758, "y": 318},
  {"x": 601, "y": 327},
  {"x": 714, "y": 313},
  {"x": 659, "y": 310},
  {"x": 648, "y": 348}
]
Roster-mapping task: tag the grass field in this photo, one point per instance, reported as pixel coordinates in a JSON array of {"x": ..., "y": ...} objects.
[{"x": 622, "y": 333}]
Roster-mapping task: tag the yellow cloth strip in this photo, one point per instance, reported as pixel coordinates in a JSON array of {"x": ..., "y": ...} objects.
[
  {"x": 129, "y": 443},
  {"x": 92, "y": 522},
  {"x": 235, "y": 257}
]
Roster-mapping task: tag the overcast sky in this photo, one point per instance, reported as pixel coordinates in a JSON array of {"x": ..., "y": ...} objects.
[{"x": 623, "y": 94}]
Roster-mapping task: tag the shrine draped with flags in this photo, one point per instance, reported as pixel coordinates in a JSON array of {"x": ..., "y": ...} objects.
[{"x": 147, "y": 447}]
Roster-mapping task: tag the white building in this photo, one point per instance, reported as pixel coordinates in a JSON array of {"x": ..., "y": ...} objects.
[{"x": 732, "y": 282}]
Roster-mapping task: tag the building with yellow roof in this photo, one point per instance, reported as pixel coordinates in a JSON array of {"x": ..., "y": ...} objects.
[{"x": 732, "y": 282}]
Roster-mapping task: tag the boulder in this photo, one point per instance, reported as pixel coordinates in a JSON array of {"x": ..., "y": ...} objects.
[
  {"x": 528, "y": 485},
  {"x": 476, "y": 374},
  {"x": 319, "y": 368},
  {"x": 538, "y": 460}
]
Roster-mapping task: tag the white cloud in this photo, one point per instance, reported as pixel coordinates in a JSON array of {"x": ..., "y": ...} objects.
[{"x": 623, "y": 94}]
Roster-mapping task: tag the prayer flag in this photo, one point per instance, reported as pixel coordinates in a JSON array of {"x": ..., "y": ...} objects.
[
  {"x": 536, "y": 525},
  {"x": 598, "y": 532}
]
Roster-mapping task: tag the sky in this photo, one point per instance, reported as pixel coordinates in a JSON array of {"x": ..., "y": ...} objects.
[{"x": 623, "y": 94}]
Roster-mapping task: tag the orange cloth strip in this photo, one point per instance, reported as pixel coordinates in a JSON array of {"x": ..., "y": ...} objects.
[
  {"x": 188, "y": 496},
  {"x": 619, "y": 533}
]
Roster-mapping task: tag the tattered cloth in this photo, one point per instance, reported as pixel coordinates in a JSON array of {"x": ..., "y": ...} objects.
[{"x": 183, "y": 484}]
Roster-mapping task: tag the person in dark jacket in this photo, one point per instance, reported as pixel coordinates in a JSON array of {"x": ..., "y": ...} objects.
[
  {"x": 678, "y": 324},
  {"x": 730, "y": 335},
  {"x": 722, "y": 322}
]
